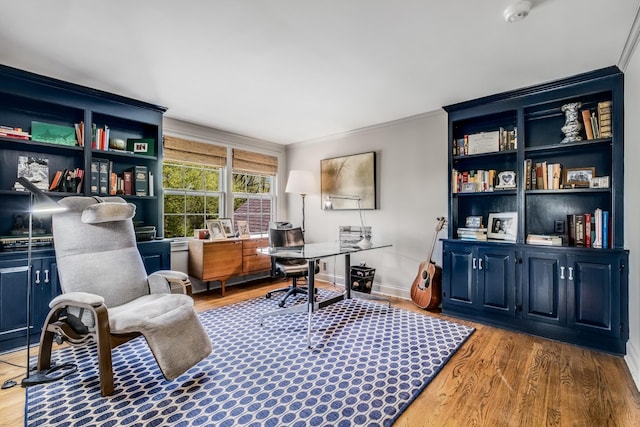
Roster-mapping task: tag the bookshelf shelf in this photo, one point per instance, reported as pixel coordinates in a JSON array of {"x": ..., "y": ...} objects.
[{"x": 525, "y": 286}]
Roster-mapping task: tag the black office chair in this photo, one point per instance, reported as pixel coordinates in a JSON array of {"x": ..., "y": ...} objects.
[{"x": 292, "y": 268}]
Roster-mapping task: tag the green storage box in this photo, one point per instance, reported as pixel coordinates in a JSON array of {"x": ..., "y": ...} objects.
[{"x": 55, "y": 134}]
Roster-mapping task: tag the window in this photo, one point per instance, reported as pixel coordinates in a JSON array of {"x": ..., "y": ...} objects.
[
  {"x": 191, "y": 196},
  {"x": 253, "y": 200},
  {"x": 194, "y": 180}
]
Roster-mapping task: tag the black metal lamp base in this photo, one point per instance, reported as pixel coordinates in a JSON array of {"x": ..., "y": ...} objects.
[{"x": 49, "y": 375}]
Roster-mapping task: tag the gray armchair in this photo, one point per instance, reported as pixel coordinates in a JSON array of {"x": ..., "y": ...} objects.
[{"x": 108, "y": 297}]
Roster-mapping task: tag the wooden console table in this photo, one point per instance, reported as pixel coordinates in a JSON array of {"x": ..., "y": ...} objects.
[{"x": 220, "y": 260}]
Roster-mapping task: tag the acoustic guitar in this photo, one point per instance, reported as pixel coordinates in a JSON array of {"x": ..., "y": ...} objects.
[{"x": 425, "y": 290}]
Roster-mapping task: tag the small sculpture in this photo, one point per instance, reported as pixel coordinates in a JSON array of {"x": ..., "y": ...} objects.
[{"x": 572, "y": 126}]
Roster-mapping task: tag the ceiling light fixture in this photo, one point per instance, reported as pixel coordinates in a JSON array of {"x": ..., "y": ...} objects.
[{"x": 517, "y": 11}]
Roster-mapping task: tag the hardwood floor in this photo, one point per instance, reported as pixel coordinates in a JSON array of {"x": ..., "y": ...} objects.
[{"x": 497, "y": 378}]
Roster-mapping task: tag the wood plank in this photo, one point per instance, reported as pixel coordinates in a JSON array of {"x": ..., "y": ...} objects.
[{"x": 497, "y": 378}]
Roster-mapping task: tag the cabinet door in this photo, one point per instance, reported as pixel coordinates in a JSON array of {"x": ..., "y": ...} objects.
[
  {"x": 496, "y": 280},
  {"x": 459, "y": 277},
  {"x": 45, "y": 288},
  {"x": 593, "y": 293},
  {"x": 544, "y": 287},
  {"x": 13, "y": 299}
]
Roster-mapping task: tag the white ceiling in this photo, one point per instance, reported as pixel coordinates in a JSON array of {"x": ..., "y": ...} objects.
[{"x": 292, "y": 70}]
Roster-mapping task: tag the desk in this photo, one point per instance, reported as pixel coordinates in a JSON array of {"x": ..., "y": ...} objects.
[{"x": 311, "y": 252}]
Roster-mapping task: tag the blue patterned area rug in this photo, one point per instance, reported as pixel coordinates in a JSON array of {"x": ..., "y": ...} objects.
[{"x": 368, "y": 364}]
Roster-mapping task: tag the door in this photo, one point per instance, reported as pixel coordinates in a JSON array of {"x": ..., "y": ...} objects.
[
  {"x": 544, "y": 286},
  {"x": 458, "y": 275},
  {"x": 593, "y": 289},
  {"x": 496, "y": 280}
]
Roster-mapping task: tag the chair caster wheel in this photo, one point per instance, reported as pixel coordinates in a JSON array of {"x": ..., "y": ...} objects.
[
  {"x": 281, "y": 304},
  {"x": 268, "y": 295}
]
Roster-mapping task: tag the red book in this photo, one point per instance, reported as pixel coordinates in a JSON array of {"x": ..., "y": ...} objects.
[
  {"x": 127, "y": 178},
  {"x": 587, "y": 230}
]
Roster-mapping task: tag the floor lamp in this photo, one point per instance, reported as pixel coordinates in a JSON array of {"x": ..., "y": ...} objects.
[
  {"x": 328, "y": 204},
  {"x": 303, "y": 183},
  {"x": 39, "y": 204}
]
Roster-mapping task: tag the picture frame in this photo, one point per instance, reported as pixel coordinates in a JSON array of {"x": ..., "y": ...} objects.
[
  {"x": 243, "y": 229},
  {"x": 353, "y": 175},
  {"x": 578, "y": 177},
  {"x": 216, "y": 231},
  {"x": 503, "y": 226},
  {"x": 473, "y": 221},
  {"x": 227, "y": 227}
]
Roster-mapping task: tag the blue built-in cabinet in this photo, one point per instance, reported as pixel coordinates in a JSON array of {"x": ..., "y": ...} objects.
[
  {"x": 26, "y": 98},
  {"x": 569, "y": 293}
]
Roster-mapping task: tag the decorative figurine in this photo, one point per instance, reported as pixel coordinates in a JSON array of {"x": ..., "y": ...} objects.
[{"x": 572, "y": 126}]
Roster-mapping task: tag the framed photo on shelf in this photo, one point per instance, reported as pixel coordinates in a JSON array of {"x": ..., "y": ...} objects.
[
  {"x": 227, "y": 227},
  {"x": 473, "y": 221},
  {"x": 215, "y": 229},
  {"x": 243, "y": 228},
  {"x": 503, "y": 226},
  {"x": 578, "y": 177}
]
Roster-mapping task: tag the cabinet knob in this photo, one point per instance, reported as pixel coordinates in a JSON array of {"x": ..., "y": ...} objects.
[
  {"x": 479, "y": 263},
  {"x": 570, "y": 273},
  {"x": 46, "y": 276},
  {"x": 37, "y": 281},
  {"x": 562, "y": 272},
  {"x": 473, "y": 264}
]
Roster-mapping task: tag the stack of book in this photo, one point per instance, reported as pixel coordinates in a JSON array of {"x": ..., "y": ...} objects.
[
  {"x": 598, "y": 126},
  {"x": 472, "y": 233},
  {"x": 544, "y": 239},
  {"x": 589, "y": 229},
  {"x": 10, "y": 132}
]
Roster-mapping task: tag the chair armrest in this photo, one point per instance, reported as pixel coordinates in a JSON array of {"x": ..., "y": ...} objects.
[
  {"x": 170, "y": 281},
  {"x": 77, "y": 299}
]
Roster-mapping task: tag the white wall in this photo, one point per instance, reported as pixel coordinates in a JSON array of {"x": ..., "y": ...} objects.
[
  {"x": 632, "y": 207},
  {"x": 411, "y": 176}
]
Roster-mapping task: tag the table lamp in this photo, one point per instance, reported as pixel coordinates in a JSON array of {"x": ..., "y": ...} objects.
[
  {"x": 328, "y": 204},
  {"x": 303, "y": 183}
]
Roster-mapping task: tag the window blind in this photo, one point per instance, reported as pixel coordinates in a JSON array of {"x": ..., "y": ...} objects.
[
  {"x": 200, "y": 153},
  {"x": 255, "y": 163}
]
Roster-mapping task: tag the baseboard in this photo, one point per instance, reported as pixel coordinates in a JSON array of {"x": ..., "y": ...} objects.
[
  {"x": 633, "y": 362},
  {"x": 378, "y": 288}
]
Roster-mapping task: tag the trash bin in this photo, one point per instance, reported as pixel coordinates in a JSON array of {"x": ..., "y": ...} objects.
[{"x": 362, "y": 279}]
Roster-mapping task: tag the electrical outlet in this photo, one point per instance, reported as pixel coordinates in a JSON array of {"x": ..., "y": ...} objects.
[{"x": 324, "y": 265}]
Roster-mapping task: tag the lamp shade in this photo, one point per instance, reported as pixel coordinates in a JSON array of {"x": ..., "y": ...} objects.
[{"x": 301, "y": 182}]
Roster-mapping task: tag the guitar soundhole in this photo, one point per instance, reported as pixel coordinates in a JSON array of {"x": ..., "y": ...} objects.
[{"x": 425, "y": 277}]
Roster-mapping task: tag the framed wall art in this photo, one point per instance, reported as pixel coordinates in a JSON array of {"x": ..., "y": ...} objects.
[{"x": 353, "y": 175}]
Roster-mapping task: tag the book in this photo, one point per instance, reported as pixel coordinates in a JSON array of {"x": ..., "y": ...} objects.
[
  {"x": 127, "y": 182},
  {"x": 571, "y": 229},
  {"x": 586, "y": 120},
  {"x": 604, "y": 118},
  {"x": 579, "y": 230},
  {"x": 527, "y": 175},
  {"x": 140, "y": 180},
  {"x": 605, "y": 229},
  {"x": 597, "y": 219},
  {"x": 587, "y": 230},
  {"x": 544, "y": 239},
  {"x": 55, "y": 182},
  {"x": 103, "y": 177},
  {"x": 95, "y": 176},
  {"x": 539, "y": 177}
]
